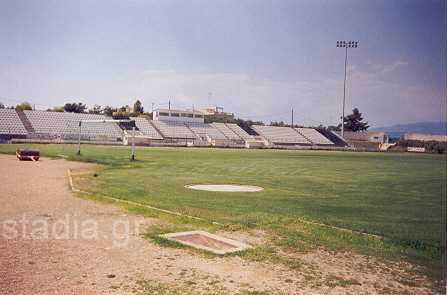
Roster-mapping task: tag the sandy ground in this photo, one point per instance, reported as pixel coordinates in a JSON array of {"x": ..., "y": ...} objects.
[{"x": 47, "y": 246}]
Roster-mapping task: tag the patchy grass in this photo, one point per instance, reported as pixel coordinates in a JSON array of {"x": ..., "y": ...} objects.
[
  {"x": 150, "y": 287},
  {"x": 334, "y": 281},
  {"x": 398, "y": 196}
]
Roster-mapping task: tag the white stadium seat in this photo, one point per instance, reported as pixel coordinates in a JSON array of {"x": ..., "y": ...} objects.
[
  {"x": 172, "y": 129},
  {"x": 223, "y": 128},
  {"x": 204, "y": 130},
  {"x": 66, "y": 125},
  {"x": 314, "y": 136},
  {"x": 10, "y": 123},
  {"x": 280, "y": 135},
  {"x": 146, "y": 128},
  {"x": 239, "y": 131}
]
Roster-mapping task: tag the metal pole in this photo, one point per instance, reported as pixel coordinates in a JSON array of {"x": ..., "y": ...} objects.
[
  {"x": 133, "y": 144},
  {"x": 79, "y": 138},
  {"x": 344, "y": 97}
]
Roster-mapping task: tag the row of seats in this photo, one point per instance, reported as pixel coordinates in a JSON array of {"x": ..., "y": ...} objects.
[
  {"x": 66, "y": 125},
  {"x": 206, "y": 130},
  {"x": 146, "y": 128},
  {"x": 171, "y": 129},
  {"x": 10, "y": 123},
  {"x": 193, "y": 130},
  {"x": 55, "y": 123},
  {"x": 314, "y": 136},
  {"x": 223, "y": 128},
  {"x": 239, "y": 131},
  {"x": 280, "y": 135}
]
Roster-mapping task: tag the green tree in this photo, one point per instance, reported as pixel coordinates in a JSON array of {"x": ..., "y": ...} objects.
[
  {"x": 124, "y": 109},
  {"x": 354, "y": 122},
  {"x": 75, "y": 107},
  {"x": 56, "y": 109},
  {"x": 279, "y": 124},
  {"x": 108, "y": 111},
  {"x": 24, "y": 106},
  {"x": 246, "y": 125},
  {"x": 96, "y": 109},
  {"x": 138, "y": 107},
  {"x": 334, "y": 128}
]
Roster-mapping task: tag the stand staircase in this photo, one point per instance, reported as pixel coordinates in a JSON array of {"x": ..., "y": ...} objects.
[{"x": 26, "y": 123}]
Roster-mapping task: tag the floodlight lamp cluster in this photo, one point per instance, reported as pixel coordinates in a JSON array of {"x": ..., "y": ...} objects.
[{"x": 349, "y": 44}]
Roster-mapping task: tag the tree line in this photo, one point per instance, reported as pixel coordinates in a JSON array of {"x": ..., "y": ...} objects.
[{"x": 79, "y": 107}]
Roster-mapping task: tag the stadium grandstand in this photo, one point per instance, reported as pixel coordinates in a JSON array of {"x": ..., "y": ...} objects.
[
  {"x": 281, "y": 135},
  {"x": 206, "y": 132},
  {"x": 225, "y": 130},
  {"x": 239, "y": 131},
  {"x": 11, "y": 125},
  {"x": 66, "y": 126},
  {"x": 314, "y": 136},
  {"x": 174, "y": 130},
  {"x": 167, "y": 126},
  {"x": 145, "y": 128}
]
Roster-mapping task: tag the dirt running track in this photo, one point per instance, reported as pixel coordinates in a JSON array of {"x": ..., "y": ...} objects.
[{"x": 38, "y": 255}]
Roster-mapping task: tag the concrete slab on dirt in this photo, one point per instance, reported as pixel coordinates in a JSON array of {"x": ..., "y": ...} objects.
[{"x": 207, "y": 241}]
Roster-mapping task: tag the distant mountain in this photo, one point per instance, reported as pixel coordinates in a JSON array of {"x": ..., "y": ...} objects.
[{"x": 420, "y": 127}]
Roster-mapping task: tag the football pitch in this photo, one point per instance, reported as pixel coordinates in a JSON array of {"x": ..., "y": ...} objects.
[{"x": 398, "y": 197}]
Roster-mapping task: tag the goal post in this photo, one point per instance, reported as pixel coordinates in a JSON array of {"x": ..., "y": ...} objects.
[{"x": 83, "y": 122}]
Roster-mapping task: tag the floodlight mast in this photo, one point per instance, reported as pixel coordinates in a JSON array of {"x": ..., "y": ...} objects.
[{"x": 346, "y": 45}]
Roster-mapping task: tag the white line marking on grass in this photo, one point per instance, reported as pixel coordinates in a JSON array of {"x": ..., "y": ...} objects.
[{"x": 70, "y": 180}]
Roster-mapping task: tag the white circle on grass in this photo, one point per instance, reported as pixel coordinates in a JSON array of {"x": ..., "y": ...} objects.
[{"x": 229, "y": 188}]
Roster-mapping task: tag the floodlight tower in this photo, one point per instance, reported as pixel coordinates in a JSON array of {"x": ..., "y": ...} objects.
[{"x": 346, "y": 45}]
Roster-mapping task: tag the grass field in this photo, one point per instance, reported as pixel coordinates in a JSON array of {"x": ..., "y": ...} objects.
[{"x": 398, "y": 196}]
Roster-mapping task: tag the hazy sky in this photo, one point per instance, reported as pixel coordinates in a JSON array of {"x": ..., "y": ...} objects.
[{"x": 258, "y": 59}]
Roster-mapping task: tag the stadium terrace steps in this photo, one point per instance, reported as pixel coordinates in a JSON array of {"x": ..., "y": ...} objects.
[
  {"x": 336, "y": 139},
  {"x": 26, "y": 123},
  {"x": 281, "y": 135},
  {"x": 156, "y": 128},
  {"x": 225, "y": 130},
  {"x": 239, "y": 131},
  {"x": 313, "y": 136},
  {"x": 146, "y": 128},
  {"x": 66, "y": 125},
  {"x": 171, "y": 129},
  {"x": 307, "y": 138},
  {"x": 206, "y": 131},
  {"x": 10, "y": 123},
  {"x": 202, "y": 138}
]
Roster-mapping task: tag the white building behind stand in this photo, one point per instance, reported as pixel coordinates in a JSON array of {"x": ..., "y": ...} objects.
[{"x": 188, "y": 116}]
